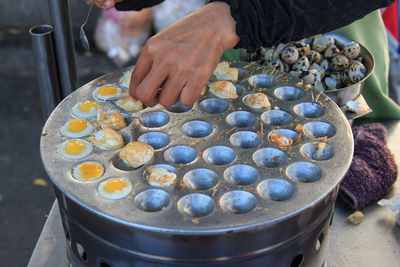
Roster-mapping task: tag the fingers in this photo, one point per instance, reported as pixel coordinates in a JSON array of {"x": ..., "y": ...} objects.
[
  {"x": 171, "y": 90},
  {"x": 147, "y": 90}
]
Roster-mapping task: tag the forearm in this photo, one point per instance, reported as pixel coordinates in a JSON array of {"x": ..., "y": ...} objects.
[{"x": 269, "y": 22}]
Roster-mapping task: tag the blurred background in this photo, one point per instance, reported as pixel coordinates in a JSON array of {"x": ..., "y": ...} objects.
[{"x": 26, "y": 193}]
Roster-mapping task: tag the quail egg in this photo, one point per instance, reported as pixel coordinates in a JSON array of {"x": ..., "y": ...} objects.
[
  {"x": 319, "y": 43},
  {"x": 115, "y": 188},
  {"x": 75, "y": 148},
  {"x": 314, "y": 56},
  {"x": 357, "y": 72},
  {"x": 108, "y": 139},
  {"x": 136, "y": 154},
  {"x": 351, "y": 50},
  {"x": 129, "y": 104},
  {"x": 257, "y": 101},
  {"x": 107, "y": 92},
  {"x": 115, "y": 120},
  {"x": 159, "y": 177},
  {"x": 85, "y": 109},
  {"x": 340, "y": 62},
  {"x": 224, "y": 72},
  {"x": 224, "y": 89},
  {"x": 290, "y": 55},
  {"x": 331, "y": 50},
  {"x": 301, "y": 64},
  {"x": 76, "y": 128},
  {"x": 88, "y": 171}
]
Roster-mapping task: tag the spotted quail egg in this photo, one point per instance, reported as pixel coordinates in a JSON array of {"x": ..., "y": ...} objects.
[
  {"x": 301, "y": 64},
  {"x": 290, "y": 55},
  {"x": 302, "y": 47},
  {"x": 276, "y": 64},
  {"x": 340, "y": 62},
  {"x": 319, "y": 43},
  {"x": 330, "y": 40},
  {"x": 314, "y": 56},
  {"x": 320, "y": 69},
  {"x": 331, "y": 50},
  {"x": 357, "y": 72},
  {"x": 351, "y": 49},
  {"x": 309, "y": 76},
  {"x": 345, "y": 79}
]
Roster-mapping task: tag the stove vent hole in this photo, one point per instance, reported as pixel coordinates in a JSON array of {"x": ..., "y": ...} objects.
[
  {"x": 318, "y": 243},
  {"x": 81, "y": 252},
  {"x": 104, "y": 264},
  {"x": 297, "y": 261}
]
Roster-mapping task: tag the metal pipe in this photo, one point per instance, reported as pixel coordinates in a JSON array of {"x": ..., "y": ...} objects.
[
  {"x": 46, "y": 65},
  {"x": 64, "y": 43}
]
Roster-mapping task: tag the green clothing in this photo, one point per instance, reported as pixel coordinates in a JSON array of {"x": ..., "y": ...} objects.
[{"x": 370, "y": 32}]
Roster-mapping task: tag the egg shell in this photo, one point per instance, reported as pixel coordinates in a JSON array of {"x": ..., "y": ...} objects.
[
  {"x": 256, "y": 101},
  {"x": 224, "y": 89}
]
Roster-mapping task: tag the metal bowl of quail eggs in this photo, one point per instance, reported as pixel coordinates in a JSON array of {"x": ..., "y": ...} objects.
[{"x": 335, "y": 64}]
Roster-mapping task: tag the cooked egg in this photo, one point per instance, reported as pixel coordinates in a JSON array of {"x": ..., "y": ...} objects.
[
  {"x": 75, "y": 149},
  {"x": 76, "y": 128},
  {"x": 115, "y": 188},
  {"x": 257, "y": 101},
  {"x": 85, "y": 109},
  {"x": 136, "y": 154},
  {"x": 88, "y": 170},
  {"x": 129, "y": 104},
  {"x": 107, "y": 92},
  {"x": 224, "y": 72},
  {"x": 126, "y": 79},
  {"x": 108, "y": 139},
  {"x": 223, "y": 89},
  {"x": 115, "y": 120},
  {"x": 159, "y": 177}
]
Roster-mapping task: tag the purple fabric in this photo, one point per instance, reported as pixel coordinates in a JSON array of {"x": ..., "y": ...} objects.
[{"x": 373, "y": 169}]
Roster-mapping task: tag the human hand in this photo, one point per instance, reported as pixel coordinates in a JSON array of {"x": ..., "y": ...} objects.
[
  {"x": 105, "y": 4},
  {"x": 181, "y": 58}
]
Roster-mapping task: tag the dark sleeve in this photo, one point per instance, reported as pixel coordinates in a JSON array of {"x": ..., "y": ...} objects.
[
  {"x": 269, "y": 22},
  {"x": 136, "y": 4}
]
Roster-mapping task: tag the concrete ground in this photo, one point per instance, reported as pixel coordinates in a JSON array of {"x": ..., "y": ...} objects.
[{"x": 23, "y": 204}]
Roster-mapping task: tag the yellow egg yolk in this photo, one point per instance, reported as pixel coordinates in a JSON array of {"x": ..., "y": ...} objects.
[
  {"x": 74, "y": 147},
  {"x": 114, "y": 185},
  {"x": 91, "y": 170},
  {"x": 107, "y": 90},
  {"x": 88, "y": 105},
  {"x": 77, "y": 125}
]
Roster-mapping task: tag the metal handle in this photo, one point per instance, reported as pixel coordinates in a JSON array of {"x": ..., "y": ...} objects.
[{"x": 43, "y": 50}]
